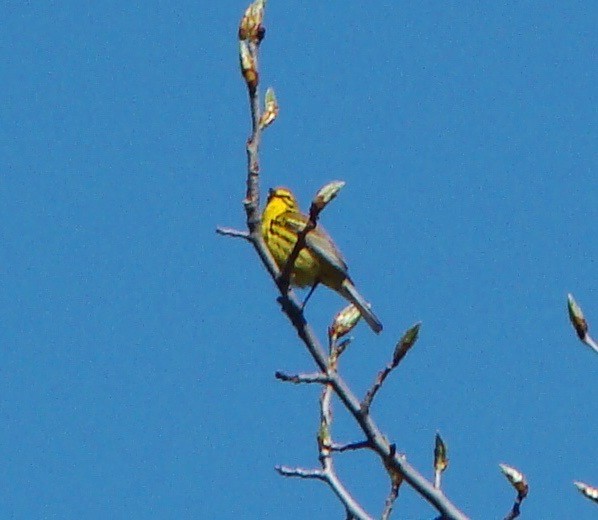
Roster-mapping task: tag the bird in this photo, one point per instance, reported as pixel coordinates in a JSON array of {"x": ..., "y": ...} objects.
[{"x": 320, "y": 261}]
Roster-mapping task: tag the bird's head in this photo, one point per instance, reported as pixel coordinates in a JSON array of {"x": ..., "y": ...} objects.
[{"x": 282, "y": 197}]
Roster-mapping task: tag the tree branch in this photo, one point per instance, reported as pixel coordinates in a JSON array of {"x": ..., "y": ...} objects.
[
  {"x": 230, "y": 232},
  {"x": 325, "y": 441},
  {"x": 392, "y": 496},
  {"x": 291, "y": 307},
  {"x": 589, "y": 341},
  {"x": 351, "y": 505},
  {"x": 316, "y": 377},
  {"x": 515, "y": 512},
  {"x": 401, "y": 349},
  {"x": 286, "y": 471},
  {"x": 325, "y": 450},
  {"x": 353, "y": 446}
]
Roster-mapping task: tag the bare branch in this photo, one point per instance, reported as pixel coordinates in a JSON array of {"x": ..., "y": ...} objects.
[
  {"x": 327, "y": 473},
  {"x": 515, "y": 512},
  {"x": 316, "y": 377},
  {"x": 351, "y": 505},
  {"x": 377, "y": 440},
  {"x": 371, "y": 393},
  {"x": 401, "y": 349},
  {"x": 590, "y": 342},
  {"x": 286, "y": 471},
  {"x": 392, "y": 497},
  {"x": 285, "y": 275},
  {"x": 395, "y": 461},
  {"x": 292, "y": 308},
  {"x": 230, "y": 232},
  {"x": 252, "y": 33},
  {"x": 353, "y": 446},
  {"x": 325, "y": 442}
]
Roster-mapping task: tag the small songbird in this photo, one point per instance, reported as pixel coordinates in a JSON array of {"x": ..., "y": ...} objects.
[{"x": 319, "y": 261}]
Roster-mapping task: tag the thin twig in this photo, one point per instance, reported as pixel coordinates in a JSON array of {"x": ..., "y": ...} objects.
[
  {"x": 514, "y": 513},
  {"x": 371, "y": 393},
  {"x": 353, "y": 446},
  {"x": 395, "y": 461},
  {"x": 286, "y": 471},
  {"x": 352, "y": 506},
  {"x": 324, "y": 443},
  {"x": 285, "y": 275},
  {"x": 437, "y": 478},
  {"x": 353, "y": 509},
  {"x": 230, "y": 232},
  {"x": 390, "y": 500},
  {"x": 589, "y": 341},
  {"x": 252, "y": 196},
  {"x": 402, "y": 347},
  {"x": 316, "y": 377}
]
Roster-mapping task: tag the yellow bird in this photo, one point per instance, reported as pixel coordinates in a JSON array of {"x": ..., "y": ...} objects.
[{"x": 319, "y": 261}]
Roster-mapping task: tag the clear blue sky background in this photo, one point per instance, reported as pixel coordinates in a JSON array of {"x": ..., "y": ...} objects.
[{"x": 138, "y": 348}]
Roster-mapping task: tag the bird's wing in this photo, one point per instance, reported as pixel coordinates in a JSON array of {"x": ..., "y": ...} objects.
[
  {"x": 323, "y": 247},
  {"x": 317, "y": 241}
]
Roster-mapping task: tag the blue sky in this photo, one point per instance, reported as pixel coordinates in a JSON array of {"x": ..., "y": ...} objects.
[{"x": 138, "y": 348}]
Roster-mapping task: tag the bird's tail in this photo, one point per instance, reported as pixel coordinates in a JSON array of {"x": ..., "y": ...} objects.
[{"x": 349, "y": 292}]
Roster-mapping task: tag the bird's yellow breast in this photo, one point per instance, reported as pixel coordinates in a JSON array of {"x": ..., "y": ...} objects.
[{"x": 281, "y": 222}]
